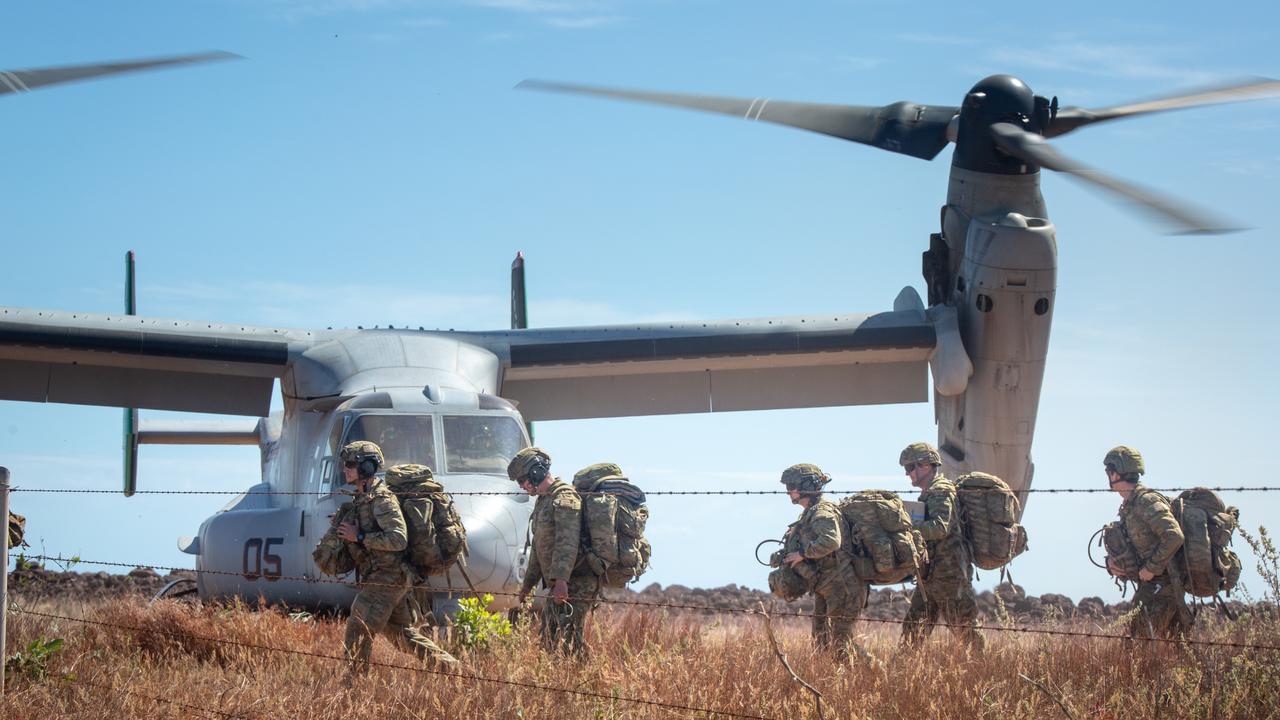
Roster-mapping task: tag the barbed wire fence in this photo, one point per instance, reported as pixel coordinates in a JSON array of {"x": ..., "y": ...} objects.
[
  {"x": 639, "y": 604},
  {"x": 649, "y": 493},
  {"x": 1033, "y": 629}
]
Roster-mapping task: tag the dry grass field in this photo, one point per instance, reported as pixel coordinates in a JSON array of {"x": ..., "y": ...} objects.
[{"x": 178, "y": 660}]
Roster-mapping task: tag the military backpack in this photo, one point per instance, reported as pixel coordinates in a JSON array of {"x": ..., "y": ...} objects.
[
  {"x": 989, "y": 514},
  {"x": 614, "y": 516},
  {"x": 437, "y": 537},
  {"x": 786, "y": 581},
  {"x": 331, "y": 554},
  {"x": 1120, "y": 552},
  {"x": 886, "y": 548},
  {"x": 17, "y": 527},
  {"x": 1208, "y": 565}
]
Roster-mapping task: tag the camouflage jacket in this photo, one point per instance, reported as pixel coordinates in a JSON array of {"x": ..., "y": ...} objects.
[
  {"x": 1151, "y": 528},
  {"x": 557, "y": 527},
  {"x": 819, "y": 538},
  {"x": 378, "y": 515},
  {"x": 941, "y": 529}
]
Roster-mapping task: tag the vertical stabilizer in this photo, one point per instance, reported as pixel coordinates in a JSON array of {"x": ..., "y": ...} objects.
[
  {"x": 130, "y": 414},
  {"x": 519, "y": 310}
]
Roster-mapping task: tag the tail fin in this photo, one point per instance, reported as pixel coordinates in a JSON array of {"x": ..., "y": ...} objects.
[
  {"x": 519, "y": 310},
  {"x": 130, "y": 414},
  {"x": 519, "y": 307}
]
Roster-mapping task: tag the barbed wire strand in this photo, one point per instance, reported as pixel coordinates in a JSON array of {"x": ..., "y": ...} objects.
[
  {"x": 499, "y": 493},
  {"x": 171, "y": 701},
  {"x": 395, "y": 666},
  {"x": 1026, "y": 629}
]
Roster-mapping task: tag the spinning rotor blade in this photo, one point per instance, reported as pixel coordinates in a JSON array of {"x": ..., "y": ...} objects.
[
  {"x": 902, "y": 127},
  {"x": 14, "y": 81},
  {"x": 1070, "y": 118},
  {"x": 1033, "y": 149}
]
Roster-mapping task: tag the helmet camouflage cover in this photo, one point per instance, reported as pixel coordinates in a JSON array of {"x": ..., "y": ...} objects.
[
  {"x": 1125, "y": 460},
  {"x": 359, "y": 450},
  {"x": 919, "y": 452},
  {"x": 591, "y": 474},
  {"x": 526, "y": 458},
  {"x": 805, "y": 477}
]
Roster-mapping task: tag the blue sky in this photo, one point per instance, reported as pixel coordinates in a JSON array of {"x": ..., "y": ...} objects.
[{"x": 369, "y": 163}]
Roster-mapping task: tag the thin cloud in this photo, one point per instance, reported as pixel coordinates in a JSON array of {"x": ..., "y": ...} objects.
[
  {"x": 1145, "y": 62},
  {"x": 424, "y": 22},
  {"x": 936, "y": 39},
  {"x": 582, "y": 23},
  {"x": 298, "y": 305}
]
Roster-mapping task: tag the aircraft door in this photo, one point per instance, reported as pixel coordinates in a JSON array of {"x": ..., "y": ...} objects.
[{"x": 324, "y": 484}]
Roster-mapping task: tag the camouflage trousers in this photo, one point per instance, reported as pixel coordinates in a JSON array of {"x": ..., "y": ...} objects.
[
  {"x": 953, "y": 601},
  {"x": 1163, "y": 611},
  {"x": 836, "y": 607},
  {"x": 564, "y": 624},
  {"x": 391, "y": 610}
]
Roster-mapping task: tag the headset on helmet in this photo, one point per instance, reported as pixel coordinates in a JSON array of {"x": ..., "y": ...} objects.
[
  {"x": 367, "y": 455},
  {"x": 532, "y": 463}
]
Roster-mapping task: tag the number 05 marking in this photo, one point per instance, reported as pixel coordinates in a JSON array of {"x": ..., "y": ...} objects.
[{"x": 259, "y": 562}]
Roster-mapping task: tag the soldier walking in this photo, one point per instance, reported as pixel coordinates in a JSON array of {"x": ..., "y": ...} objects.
[
  {"x": 1155, "y": 535},
  {"x": 556, "y": 561},
  {"x": 372, "y": 531},
  {"x": 945, "y": 587},
  {"x": 822, "y": 554}
]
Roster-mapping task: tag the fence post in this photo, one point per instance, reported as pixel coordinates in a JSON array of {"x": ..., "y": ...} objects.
[{"x": 4, "y": 570}]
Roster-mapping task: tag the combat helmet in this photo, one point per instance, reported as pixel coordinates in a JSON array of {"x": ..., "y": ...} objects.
[
  {"x": 919, "y": 452},
  {"x": 367, "y": 454},
  {"x": 531, "y": 462},
  {"x": 1124, "y": 460},
  {"x": 805, "y": 477}
]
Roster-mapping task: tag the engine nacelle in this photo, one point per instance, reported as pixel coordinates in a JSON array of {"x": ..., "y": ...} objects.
[{"x": 1004, "y": 295}]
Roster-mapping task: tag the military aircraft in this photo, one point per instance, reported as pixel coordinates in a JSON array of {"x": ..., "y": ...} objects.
[{"x": 459, "y": 401}]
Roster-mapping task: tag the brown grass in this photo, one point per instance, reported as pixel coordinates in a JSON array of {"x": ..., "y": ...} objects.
[{"x": 187, "y": 656}]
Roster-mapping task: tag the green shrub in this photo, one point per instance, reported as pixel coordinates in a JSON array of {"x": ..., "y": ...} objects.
[{"x": 475, "y": 627}]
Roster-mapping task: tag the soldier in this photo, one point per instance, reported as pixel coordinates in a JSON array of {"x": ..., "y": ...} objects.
[
  {"x": 556, "y": 560},
  {"x": 1156, "y": 536},
  {"x": 823, "y": 555},
  {"x": 374, "y": 534},
  {"x": 945, "y": 587}
]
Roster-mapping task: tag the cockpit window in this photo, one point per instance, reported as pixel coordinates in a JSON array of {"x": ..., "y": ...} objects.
[
  {"x": 481, "y": 444},
  {"x": 403, "y": 438}
]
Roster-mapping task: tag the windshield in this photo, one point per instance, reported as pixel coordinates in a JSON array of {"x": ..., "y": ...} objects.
[
  {"x": 481, "y": 444},
  {"x": 403, "y": 438}
]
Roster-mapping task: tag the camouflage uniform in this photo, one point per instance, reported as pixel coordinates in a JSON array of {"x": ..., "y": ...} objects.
[
  {"x": 557, "y": 528},
  {"x": 1156, "y": 536},
  {"x": 838, "y": 593},
  {"x": 946, "y": 586},
  {"x": 384, "y": 603}
]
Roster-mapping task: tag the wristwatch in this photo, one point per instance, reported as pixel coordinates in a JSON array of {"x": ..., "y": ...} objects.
[{"x": 360, "y": 536}]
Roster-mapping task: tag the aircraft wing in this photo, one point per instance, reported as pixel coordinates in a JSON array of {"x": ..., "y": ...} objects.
[
  {"x": 130, "y": 361},
  {"x": 568, "y": 373}
]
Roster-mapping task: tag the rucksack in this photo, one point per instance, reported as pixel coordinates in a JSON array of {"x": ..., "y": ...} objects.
[
  {"x": 790, "y": 582},
  {"x": 1120, "y": 551},
  {"x": 437, "y": 537},
  {"x": 1208, "y": 566},
  {"x": 614, "y": 515},
  {"x": 886, "y": 548},
  {"x": 989, "y": 514},
  {"x": 331, "y": 554},
  {"x": 17, "y": 527}
]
